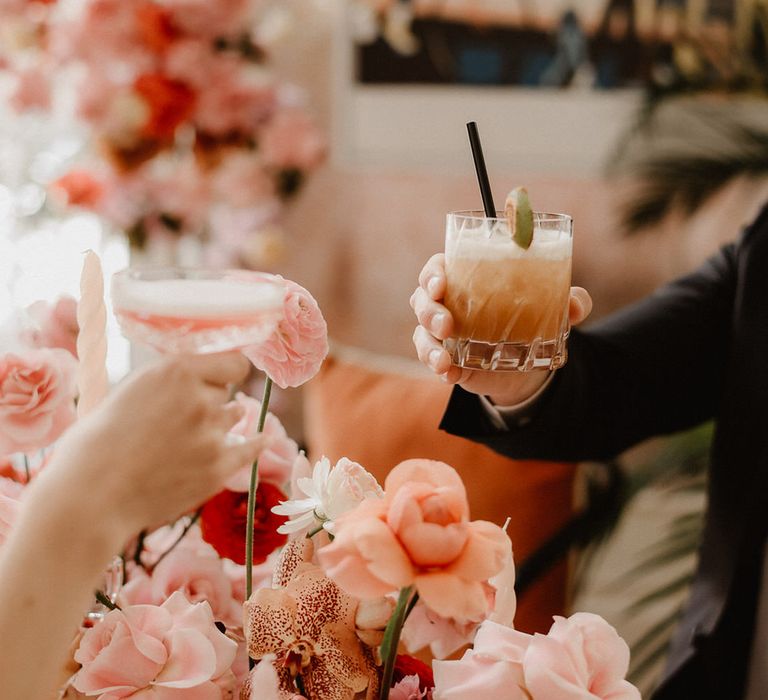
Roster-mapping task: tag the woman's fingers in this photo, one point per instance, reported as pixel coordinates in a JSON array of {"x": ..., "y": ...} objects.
[{"x": 220, "y": 368}]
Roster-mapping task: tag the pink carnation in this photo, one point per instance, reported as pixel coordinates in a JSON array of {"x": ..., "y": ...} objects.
[
  {"x": 295, "y": 351},
  {"x": 149, "y": 652},
  {"x": 276, "y": 462},
  {"x": 37, "y": 398},
  {"x": 407, "y": 689}
]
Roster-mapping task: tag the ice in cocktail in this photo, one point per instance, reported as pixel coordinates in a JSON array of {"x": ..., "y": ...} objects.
[
  {"x": 509, "y": 304},
  {"x": 187, "y": 310}
]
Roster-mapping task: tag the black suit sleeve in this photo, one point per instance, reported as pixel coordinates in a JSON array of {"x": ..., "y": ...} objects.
[{"x": 655, "y": 367}]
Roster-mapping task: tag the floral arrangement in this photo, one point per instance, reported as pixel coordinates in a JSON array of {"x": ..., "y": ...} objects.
[
  {"x": 301, "y": 581},
  {"x": 190, "y": 133}
]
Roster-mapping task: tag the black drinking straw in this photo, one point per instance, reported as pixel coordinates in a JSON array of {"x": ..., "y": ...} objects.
[{"x": 482, "y": 173}]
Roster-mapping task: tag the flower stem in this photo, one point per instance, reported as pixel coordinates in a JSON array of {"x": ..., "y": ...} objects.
[
  {"x": 26, "y": 469},
  {"x": 103, "y": 598},
  {"x": 252, "y": 494},
  {"x": 392, "y": 639}
]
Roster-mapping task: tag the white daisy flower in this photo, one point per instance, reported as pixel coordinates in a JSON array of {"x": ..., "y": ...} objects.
[{"x": 330, "y": 492}]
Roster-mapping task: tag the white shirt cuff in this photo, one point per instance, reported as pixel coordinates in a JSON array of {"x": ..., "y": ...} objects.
[{"x": 500, "y": 415}]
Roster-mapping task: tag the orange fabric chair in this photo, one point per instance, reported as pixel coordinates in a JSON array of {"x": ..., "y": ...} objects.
[{"x": 379, "y": 417}]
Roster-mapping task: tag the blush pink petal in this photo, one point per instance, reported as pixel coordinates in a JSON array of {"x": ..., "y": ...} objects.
[
  {"x": 493, "y": 669},
  {"x": 431, "y": 545},
  {"x": 383, "y": 554},
  {"x": 451, "y": 596},
  {"x": 424, "y": 470},
  {"x": 505, "y": 599},
  {"x": 204, "y": 691},
  {"x": 486, "y": 552},
  {"x": 607, "y": 655},
  {"x": 349, "y": 572},
  {"x": 550, "y": 672},
  {"x": 192, "y": 660},
  {"x": 365, "y": 558}
]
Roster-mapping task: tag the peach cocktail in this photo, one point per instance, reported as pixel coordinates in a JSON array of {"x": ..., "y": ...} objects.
[{"x": 509, "y": 304}]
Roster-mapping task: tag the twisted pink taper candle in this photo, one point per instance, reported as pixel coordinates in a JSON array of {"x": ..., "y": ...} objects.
[{"x": 92, "y": 380}]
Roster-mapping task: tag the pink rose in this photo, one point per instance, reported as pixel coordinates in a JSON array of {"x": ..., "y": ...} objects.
[
  {"x": 295, "y": 351},
  {"x": 37, "y": 398},
  {"x": 276, "y": 461},
  {"x": 580, "y": 658},
  {"x": 198, "y": 574},
  {"x": 55, "y": 324},
  {"x": 492, "y": 669},
  {"x": 419, "y": 534},
  {"x": 10, "y": 505},
  {"x": 147, "y": 652},
  {"x": 290, "y": 140}
]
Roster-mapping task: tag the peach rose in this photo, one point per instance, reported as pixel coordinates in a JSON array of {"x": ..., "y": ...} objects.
[
  {"x": 580, "y": 657},
  {"x": 295, "y": 351},
  {"x": 37, "y": 398},
  {"x": 55, "y": 324},
  {"x": 492, "y": 669},
  {"x": 275, "y": 462},
  {"x": 148, "y": 652},
  {"x": 419, "y": 534}
]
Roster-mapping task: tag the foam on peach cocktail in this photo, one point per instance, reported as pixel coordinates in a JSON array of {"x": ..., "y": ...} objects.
[{"x": 501, "y": 293}]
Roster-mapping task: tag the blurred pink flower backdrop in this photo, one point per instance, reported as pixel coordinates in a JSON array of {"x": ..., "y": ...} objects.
[{"x": 189, "y": 131}]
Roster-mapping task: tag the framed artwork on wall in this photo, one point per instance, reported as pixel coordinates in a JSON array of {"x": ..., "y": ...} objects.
[{"x": 553, "y": 83}]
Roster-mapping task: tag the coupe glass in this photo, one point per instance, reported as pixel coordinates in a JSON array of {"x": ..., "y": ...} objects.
[{"x": 177, "y": 310}]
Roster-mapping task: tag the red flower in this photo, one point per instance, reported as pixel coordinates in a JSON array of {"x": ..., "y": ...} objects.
[
  {"x": 224, "y": 517},
  {"x": 155, "y": 26},
  {"x": 170, "y": 102},
  {"x": 410, "y": 666},
  {"x": 78, "y": 188}
]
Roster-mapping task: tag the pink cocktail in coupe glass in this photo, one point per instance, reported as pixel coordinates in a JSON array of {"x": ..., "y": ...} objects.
[{"x": 198, "y": 311}]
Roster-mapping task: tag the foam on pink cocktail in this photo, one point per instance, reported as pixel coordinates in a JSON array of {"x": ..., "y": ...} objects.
[{"x": 198, "y": 314}]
